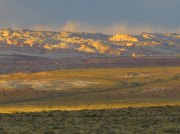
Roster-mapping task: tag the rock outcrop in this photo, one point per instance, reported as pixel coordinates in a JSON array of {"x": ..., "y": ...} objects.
[
  {"x": 123, "y": 37},
  {"x": 62, "y": 44}
]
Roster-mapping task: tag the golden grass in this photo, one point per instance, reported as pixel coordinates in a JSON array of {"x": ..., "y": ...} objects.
[
  {"x": 110, "y": 85},
  {"x": 27, "y": 109}
]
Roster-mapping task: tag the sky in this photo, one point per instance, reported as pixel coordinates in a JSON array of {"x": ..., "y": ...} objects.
[{"x": 106, "y": 16}]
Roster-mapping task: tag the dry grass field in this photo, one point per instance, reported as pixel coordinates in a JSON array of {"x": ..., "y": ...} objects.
[
  {"x": 95, "y": 101},
  {"x": 152, "y": 120},
  {"x": 90, "y": 89}
]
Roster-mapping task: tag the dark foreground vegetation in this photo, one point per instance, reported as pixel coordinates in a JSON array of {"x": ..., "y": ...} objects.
[{"x": 152, "y": 120}]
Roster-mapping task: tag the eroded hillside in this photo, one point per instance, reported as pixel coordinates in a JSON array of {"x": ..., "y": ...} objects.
[{"x": 65, "y": 44}]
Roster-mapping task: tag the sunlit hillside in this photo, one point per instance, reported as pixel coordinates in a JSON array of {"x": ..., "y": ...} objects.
[{"x": 65, "y": 44}]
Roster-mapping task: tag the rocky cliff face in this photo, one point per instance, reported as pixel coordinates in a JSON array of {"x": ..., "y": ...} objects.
[
  {"x": 123, "y": 37},
  {"x": 65, "y": 44}
]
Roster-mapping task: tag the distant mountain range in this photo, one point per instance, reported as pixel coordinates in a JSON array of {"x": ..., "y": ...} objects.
[{"x": 68, "y": 44}]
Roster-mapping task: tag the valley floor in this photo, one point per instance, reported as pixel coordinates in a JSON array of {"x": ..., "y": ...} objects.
[
  {"x": 77, "y": 89},
  {"x": 79, "y": 101}
]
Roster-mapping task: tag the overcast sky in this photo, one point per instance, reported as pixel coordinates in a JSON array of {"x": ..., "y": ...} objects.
[{"x": 108, "y": 16}]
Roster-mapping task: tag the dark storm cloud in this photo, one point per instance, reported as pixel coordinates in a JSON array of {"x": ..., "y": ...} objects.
[{"x": 92, "y": 15}]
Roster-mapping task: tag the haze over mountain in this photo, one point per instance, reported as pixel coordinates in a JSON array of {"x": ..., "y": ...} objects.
[
  {"x": 72, "y": 44},
  {"x": 109, "y": 16}
]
